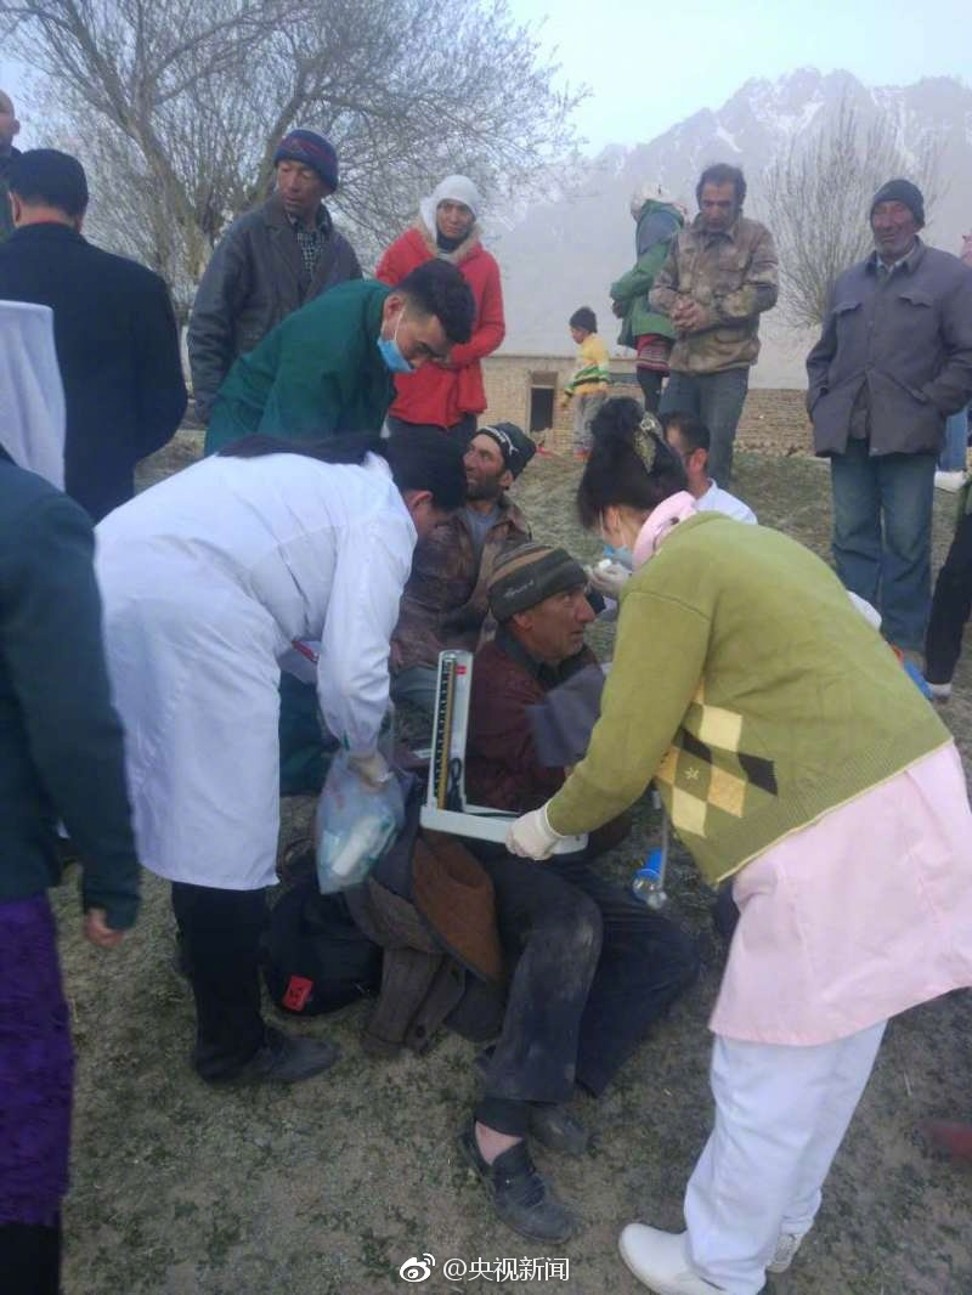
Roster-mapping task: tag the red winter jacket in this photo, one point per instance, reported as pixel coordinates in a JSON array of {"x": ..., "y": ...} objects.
[{"x": 433, "y": 394}]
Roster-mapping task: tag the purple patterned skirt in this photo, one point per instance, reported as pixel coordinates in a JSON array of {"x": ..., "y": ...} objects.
[{"x": 36, "y": 1066}]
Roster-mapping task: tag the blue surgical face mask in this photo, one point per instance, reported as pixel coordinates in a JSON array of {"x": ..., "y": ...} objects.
[
  {"x": 391, "y": 352},
  {"x": 622, "y": 555}
]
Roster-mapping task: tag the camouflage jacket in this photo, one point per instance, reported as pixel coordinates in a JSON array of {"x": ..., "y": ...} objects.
[
  {"x": 734, "y": 276},
  {"x": 445, "y": 603}
]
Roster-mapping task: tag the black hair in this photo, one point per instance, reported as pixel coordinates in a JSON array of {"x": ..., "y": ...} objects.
[
  {"x": 722, "y": 173},
  {"x": 45, "y": 176},
  {"x": 423, "y": 458},
  {"x": 616, "y": 472},
  {"x": 584, "y": 318},
  {"x": 438, "y": 288},
  {"x": 694, "y": 433}
]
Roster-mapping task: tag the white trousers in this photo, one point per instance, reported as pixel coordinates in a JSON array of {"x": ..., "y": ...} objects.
[{"x": 781, "y": 1114}]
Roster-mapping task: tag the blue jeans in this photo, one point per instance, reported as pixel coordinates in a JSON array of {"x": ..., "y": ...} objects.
[
  {"x": 882, "y": 535},
  {"x": 717, "y": 399},
  {"x": 952, "y": 457}
]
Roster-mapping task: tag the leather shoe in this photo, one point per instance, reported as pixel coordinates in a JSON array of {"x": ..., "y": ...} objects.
[
  {"x": 284, "y": 1059},
  {"x": 521, "y": 1196},
  {"x": 556, "y": 1129}
]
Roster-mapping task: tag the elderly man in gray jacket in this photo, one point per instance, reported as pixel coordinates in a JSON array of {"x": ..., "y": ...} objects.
[
  {"x": 269, "y": 263},
  {"x": 893, "y": 361}
]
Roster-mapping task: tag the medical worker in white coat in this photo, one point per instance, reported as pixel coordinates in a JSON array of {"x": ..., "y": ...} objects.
[{"x": 207, "y": 578}]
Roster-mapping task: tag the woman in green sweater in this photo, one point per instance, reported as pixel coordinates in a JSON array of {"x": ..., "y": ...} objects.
[{"x": 795, "y": 757}]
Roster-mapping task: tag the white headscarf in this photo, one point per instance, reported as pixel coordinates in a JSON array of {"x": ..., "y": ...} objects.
[
  {"x": 454, "y": 188},
  {"x": 31, "y": 394}
]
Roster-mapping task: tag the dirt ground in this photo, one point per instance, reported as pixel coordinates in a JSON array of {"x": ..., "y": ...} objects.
[{"x": 329, "y": 1187}]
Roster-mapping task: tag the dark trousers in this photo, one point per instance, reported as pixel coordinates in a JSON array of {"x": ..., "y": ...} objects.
[
  {"x": 30, "y": 1259},
  {"x": 951, "y": 604},
  {"x": 650, "y": 383},
  {"x": 594, "y": 968},
  {"x": 220, "y": 934}
]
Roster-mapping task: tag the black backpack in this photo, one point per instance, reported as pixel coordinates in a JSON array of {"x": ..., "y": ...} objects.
[{"x": 316, "y": 960}]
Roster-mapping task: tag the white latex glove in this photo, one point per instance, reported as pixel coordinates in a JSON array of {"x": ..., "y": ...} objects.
[
  {"x": 372, "y": 769},
  {"x": 531, "y": 835},
  {"x": 608, "y": 577}
]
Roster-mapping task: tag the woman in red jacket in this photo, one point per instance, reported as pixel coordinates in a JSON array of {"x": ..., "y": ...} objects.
[{"x": 448, "y": 395}]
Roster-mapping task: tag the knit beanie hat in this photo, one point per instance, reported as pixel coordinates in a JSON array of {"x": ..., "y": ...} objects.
[
  {"x": 515, "y": 446},
  {"x": 310, "y": 148},
  {"x": 905, "y": 192},
  {"x": 526, "y": 574}
]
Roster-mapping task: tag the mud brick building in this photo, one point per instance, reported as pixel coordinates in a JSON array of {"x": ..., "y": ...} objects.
[{"x": 526, "y": 390}]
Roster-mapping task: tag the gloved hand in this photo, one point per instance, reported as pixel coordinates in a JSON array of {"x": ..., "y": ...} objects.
[
  {"x": 608, "y": 577},
  {"x": 372, "y": 769},
  {"x": 531, "y": 836}
]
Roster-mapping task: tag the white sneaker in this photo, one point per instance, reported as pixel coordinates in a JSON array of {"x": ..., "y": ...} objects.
[
  {"x": 785, "y": 1252},
  {"x": 940, "y": 691},
  {"x": 951, "y": 481},
  {"x": 660, "y": 1261}
]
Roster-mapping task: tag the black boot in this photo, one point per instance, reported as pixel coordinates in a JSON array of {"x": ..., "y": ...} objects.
[
  {"x": 521, "y": 1196},
  {"x": 284, "y": 1059}
]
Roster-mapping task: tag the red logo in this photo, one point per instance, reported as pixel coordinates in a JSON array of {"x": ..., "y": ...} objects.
[{"x": 299, "y": 989}]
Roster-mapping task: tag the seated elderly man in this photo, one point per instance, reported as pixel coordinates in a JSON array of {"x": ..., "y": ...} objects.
[
  {"x": 593, "y": 968},
  {"x": 444, "y": 604}
]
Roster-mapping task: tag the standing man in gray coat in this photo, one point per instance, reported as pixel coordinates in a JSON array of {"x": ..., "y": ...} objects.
[
  {"x": 269, "y": 263},
  {"x": 893, "y": 361}
]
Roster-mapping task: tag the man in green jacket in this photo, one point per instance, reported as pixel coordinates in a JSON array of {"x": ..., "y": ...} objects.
[
  {"x": 648, "y": 331},
  {"x": 328, "y": 367}
]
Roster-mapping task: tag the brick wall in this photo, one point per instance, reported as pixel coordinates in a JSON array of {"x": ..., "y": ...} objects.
[{"x": 525, "y": 389}]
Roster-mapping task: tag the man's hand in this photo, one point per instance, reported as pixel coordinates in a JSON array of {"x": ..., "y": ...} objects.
[
  {"x": 690, "y": 316},
  {"x": 617, "y": 309},
  {"x": 97, "y": 930},
  {"x": 531, "y": 835}
]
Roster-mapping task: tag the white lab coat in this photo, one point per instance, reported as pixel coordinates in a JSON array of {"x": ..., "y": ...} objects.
[
  {"x": 206, "y": 580},
  {"x": 32, "y": 417}
]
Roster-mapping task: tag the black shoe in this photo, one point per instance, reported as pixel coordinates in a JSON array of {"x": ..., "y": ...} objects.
[
  {"x": 284, "y": 1059},
  {"x": 555, "y": 1128},
  {"x": 520, "y": 1194}
]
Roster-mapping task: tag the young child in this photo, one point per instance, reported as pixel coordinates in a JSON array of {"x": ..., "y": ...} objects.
[{"x": 588, "y": 387}]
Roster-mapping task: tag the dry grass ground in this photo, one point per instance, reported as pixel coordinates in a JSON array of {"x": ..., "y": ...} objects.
[{"x": 326, "y": 1189}]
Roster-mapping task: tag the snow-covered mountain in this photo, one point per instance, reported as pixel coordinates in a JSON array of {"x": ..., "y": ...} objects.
[{"x": 565, "y": 249}]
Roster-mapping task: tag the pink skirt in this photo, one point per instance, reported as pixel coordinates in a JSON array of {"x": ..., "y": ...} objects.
[{"x": 863, "y": 914}]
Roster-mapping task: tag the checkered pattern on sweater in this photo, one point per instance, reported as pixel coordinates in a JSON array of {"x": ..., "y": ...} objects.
[{"x": 706, "y": 772}]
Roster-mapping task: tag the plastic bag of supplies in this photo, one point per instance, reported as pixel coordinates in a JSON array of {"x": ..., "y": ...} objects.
[{"x": 355, "y": 824}]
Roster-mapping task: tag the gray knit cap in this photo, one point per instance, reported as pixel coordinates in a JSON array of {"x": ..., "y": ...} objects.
[{"x": 526, "y": 574}]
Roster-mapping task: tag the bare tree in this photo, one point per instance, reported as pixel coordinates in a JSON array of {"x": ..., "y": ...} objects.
[
  {"x": 177, "y": 105},
  {"x": 817, "y": 196}
]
